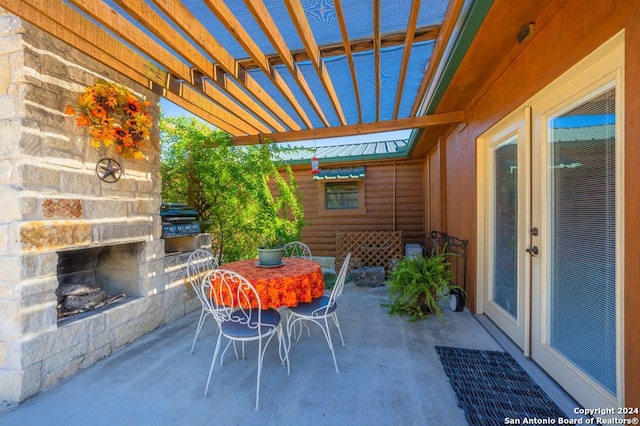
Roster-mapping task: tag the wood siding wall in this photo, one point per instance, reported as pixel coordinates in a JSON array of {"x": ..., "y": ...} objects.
[
  {"x": 572, "y": 29},
  {"x": 394, "y": 200}
]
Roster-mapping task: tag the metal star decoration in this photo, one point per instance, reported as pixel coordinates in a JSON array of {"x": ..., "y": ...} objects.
[{"x": 108, "y": 170}]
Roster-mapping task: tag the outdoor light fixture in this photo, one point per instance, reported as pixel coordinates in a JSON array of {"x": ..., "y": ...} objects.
[{"x": 526, "y": 32}]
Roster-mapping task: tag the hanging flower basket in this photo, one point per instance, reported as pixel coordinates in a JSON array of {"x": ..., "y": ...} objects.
[{"x": 115, "y": 118}]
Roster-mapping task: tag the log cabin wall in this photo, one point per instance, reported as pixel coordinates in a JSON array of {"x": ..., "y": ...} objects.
[
  {"x": 568, "y": 31},
  {"x": 394, "y": 200}
]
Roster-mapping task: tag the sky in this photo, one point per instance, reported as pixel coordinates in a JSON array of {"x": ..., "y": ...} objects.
[{"x": 170, "y": 109}]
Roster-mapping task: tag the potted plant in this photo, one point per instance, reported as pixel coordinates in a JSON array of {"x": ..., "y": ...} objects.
[
  {"x": 270, "y": 250},
  {"x": 417, "y": 284},
  {"x": 274, "y": 236}
]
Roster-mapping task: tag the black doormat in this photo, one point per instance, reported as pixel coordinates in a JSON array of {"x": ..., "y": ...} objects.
[{"x": 491, "y": 387}]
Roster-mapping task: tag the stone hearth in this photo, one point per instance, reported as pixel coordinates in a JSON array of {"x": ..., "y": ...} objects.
[{"x": 53, "y": 202}]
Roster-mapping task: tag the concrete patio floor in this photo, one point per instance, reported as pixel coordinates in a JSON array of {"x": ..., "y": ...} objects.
[{"x": 389, "y": 375}]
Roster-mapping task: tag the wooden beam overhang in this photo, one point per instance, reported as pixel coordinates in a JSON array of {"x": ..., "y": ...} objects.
[
  {"x": 306, "y": 35},
  {"x": 186, "y": 64},
  {"x": 152, "y": 21},
  {"x": 355, "y": 46},
  {"x": 235, "y": 28},
  {"x": 284, "y": 56},
  {"x": 453, "y": 11},
  {"x": 408, "y": 43},
  {"x": 64, "y": 23},
  {"x": 348, "y": 53},
  {"x": 454, "y": 117},
  {"x": 376, "y": 53}
]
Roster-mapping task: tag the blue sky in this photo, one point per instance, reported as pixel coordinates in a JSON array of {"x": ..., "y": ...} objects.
[{"x": 170, "y": 109}]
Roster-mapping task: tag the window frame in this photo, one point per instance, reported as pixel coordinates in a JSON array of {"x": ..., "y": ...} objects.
[{"x": 360, "y": 211}]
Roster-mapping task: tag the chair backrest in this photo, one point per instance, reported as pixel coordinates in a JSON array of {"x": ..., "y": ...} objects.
[
  {"x": 199, "y": 263},
  {"x": 230, "y": 289},
  {"x": 339, "y": 285},
  {"x": 297, "y": 249}
]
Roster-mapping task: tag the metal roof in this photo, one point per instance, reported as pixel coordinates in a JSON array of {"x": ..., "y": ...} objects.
[
  {"x": 348, "y": 152},
  {"x": 281, "y": 69}
]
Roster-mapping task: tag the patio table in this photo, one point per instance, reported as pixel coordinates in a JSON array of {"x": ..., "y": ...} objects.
[{"x": 297, "y": 280}]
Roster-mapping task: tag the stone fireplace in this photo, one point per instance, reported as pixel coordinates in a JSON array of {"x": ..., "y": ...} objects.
[
  {"x": 54, "y": 207},
  {"x": 91, "y": 278}
]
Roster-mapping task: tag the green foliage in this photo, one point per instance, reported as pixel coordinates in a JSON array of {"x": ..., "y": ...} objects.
[
  {"x": 416, "y": 285},
  {"x": 229, "y": 186}
]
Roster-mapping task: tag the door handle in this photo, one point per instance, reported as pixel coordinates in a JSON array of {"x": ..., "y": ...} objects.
[{"x": 533, "y": 251}]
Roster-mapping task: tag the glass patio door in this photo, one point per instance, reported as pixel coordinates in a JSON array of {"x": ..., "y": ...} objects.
[
  {"x": 505, "y": 183},
  {"x": 550, "y": 215},
  {"x": 575, "y": 204}
]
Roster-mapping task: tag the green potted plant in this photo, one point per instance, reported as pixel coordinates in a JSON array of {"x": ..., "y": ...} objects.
[
  {"x": 417, "y": 284},
  {"x": 275, "y": 234},
  {"x": 271, "y": 249}
]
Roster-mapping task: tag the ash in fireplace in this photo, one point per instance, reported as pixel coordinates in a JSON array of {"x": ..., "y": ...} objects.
[{"x": 77, "y": 298}]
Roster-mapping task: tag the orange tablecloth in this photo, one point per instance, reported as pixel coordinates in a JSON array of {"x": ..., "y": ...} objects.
[{"x": 298, "y": 280}]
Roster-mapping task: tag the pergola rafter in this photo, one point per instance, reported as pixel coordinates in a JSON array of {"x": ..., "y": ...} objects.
[
  {"x": 284, "y": 56},
  {"x": 64, "y": 23},
  {"x": 152, "y": 21},
  {"x": 376, "y": 53},
  {"x": 306, "y": 35},
  {"x": 349, "y": 54},
  {"x": 234, "y": 27},
  {"x": 408, "y": 42}
]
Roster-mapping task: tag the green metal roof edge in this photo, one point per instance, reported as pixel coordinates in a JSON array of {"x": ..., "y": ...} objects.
[
  {"x": 332, "y": 160},
  {"x": 476, "y": 12}
]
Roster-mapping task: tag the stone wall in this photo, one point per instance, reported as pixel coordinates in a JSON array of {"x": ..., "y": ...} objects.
[{"x": 52, "y": 200}]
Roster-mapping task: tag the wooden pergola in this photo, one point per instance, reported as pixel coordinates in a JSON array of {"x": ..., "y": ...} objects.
[{"x": 261, "y": 84}]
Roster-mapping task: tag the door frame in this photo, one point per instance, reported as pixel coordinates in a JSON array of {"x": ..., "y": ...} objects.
[
  {"x": 588, "y": 63},
  {"x": 517, "y": 123}
]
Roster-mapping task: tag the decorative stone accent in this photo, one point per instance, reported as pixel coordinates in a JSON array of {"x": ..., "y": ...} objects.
[
  {"x": 61, "y": 208},
  {"x": 37, "y": 236}
]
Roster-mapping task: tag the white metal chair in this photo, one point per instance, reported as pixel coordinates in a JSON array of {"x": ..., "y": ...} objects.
[
  {"x": 297, "y": 249},
  {"x": 301, "y": 251},
  {"x": 199, "y": 263},
  {"x": 242, "y": 323},
  {"x": 319, "y": 311}
]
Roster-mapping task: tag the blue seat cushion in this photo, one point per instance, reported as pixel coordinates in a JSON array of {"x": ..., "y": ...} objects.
[
  {"x": 234, "y": 328},
  {"x": 307, "y": 308}
]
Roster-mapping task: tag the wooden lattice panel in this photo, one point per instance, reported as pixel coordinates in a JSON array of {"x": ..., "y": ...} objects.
[{"x": 369, "y": 248}]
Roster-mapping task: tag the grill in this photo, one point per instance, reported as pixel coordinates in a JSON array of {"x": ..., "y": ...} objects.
[{"x": 178, "y": 220}]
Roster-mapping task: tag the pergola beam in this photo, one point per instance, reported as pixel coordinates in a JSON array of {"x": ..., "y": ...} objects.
[
  {"x": 376, "y": 54},
  {"x": 64, "y": 23},
  {"x": 231, "y": 23},
  {"x": 455, "y": 6},
  {"x": 301, "y": 23},
  {"x": 267, "y": 24},
  {"x": 152, "y": 21},
  {"x": 356, "y": 129},
  {"x": 408, "y": 43},
  {"x": 348, "y": 53},
  {"x": 355, "y": 46}
]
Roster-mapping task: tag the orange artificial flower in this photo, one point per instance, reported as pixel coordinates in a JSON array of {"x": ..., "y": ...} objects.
[{"x": 114, "y": 116}]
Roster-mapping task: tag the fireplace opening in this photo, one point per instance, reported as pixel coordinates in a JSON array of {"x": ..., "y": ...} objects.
[{"x": 91, "y": 278}]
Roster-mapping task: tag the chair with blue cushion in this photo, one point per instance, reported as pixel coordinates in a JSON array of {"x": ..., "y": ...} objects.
[
  {"x": 199, "y": 263},
  {"x": 319, "y": 310},
  {"x": 243, "y": 322}
]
